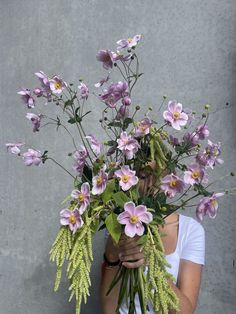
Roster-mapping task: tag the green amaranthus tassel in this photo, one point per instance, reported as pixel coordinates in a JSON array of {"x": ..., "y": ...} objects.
[
  {"x": 60, "y": 251},
  {"x": 158, "y": 151},
  {"x": 157, "y": 288}
]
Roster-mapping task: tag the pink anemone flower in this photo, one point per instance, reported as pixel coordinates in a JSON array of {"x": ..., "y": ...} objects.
[
  {"x": 208, "y": 206},
  {"x": 83, "y": 196},
  {"x": 71, "y": 218},
  {"x": 175, "y": 115},
  {"x": 127, "y": 177},
  {"x": 172, "y": 184},
  {"x": 133, "y": 218}
]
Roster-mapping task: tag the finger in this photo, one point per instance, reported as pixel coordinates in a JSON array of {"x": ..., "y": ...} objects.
[
  {"x": 135, "y": 250},
  {"x": 125, "y": 238},
  {"x": 134, "y": 264},
  {"x": 132, "y": 257}
]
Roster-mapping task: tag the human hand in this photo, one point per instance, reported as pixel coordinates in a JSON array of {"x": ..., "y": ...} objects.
[{"x": 130, "y": 253}]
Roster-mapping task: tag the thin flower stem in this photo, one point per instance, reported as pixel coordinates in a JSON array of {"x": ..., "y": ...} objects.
[
  {"x": 181, "y": 196},
  {"x": 182, "y": 205},
  {"x": 50, "y": 158}
]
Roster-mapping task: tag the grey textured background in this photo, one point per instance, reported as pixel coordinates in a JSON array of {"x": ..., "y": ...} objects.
[{"x": 187, "y": 52}]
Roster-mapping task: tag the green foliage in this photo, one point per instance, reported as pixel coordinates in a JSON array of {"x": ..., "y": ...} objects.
[
  {"x": 156, "y": 287},
  {"x": 158, "y": 151},
  {"x": 79, "y": 267},
  {"x": 107, "y": 194},
  {"x": 60, "y": 251},
  {"x": 113, "y": 227},
  {"x": 77, "y": 249},
  {"x": 120, "y": 199},
  {"x": 127, "y": 122}
]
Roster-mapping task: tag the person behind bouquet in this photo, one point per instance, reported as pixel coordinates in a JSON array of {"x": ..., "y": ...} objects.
[{"x": 184, "y": 244}]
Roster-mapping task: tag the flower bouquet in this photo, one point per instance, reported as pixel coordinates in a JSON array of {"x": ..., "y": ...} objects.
[{"x": 106, "y": 175}]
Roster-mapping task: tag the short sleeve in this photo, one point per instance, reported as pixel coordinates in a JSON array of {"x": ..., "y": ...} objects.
[{"x": 194, "y": 245}]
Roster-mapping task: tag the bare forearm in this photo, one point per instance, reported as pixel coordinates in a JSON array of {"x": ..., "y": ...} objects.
[
  {"x": 185, "y": 305},
  {"x": 110, "y": 301}
]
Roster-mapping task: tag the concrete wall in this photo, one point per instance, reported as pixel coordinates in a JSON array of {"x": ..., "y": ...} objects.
[{"x": 187, "y": 52}]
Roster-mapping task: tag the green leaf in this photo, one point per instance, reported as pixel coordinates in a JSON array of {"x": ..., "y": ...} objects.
[
  {"x": 115, "y": 124},
  {"x": 94, "y": 226},
  {"x": 127, "y": 122},
  {"x": 135, "y": 193},
  {"x": 107, "y": 194},
  {"x": 120, "y": 198},
  {"x": 142, "y": 240},
  {"x": 110, "y": 143},
  {"x": 113, "y": 227},
  {"x": 67, "y": 103}
]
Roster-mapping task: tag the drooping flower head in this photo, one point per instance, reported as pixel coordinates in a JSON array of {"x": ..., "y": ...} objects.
[
  {"x": 35, "y": 119},
  {"x": 82, "y": 196},
  {"x": 127, "y": 177},
  {"x": 143, "y": 127},
  {"x": 57, "y": 85},
  {"x": 27, "y": 97},
  {"x": 172, "y": 184},
  {"x": 202, "y": 131},
  {"x": 84, "y": 91},
  {"x": 32, "y": 157},
  {"x": 195, "y": 174},
  {"x": 80, "y": 156},
  {"x": 133, "y": 218},
  {"x": 191, "y": 139},
  {"x": 99, "y": 182},
  {"x": 14, "y": 148},
  {"x": 128, "y": 43},
  {"x": 128, "y": 145},
  {"x": 106, "y": 57},
  {"x": 210, "y": 156},
  {"x": 44, "y": 80},
  {"x": 174, "y": 140},
  {"x": 78, "y": 166},
  {"x": 114, "y": 93},
  {"x": 175, "y": 115},
  {"x": 72, "y": 219},
  {"x": 81, "y": 153},
  {"x": 95, "y": 145},
  {"x": 208, "y": 206}
]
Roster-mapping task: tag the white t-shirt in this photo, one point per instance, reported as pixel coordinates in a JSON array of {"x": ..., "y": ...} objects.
[{"x": 190, "y": 246}]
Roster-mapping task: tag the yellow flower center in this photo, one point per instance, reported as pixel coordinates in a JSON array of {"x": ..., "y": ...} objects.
[
  {"x": 216, "y": 152},
  {"x": 72, "y": 219},
  {"x": 195, "y": 175},
  {"x": 129, "y": 40},
  {"x": 143, "y": 127},
  {"x": 133, "y": 219},
  {"x": 173, "y": 183},
  {"x": 58, "y": 85},
  {"x": 176, "y": 115},
  {"x": 125, "y": 178},
  {"x": 214, "y": 202},
  {"x": 99, "y": 180},
  {"x": 208, "y": 151},
  {"x": 81, "y": 197}
]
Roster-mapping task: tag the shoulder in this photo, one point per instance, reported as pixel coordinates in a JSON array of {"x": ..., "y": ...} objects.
[
  {"x": 191, "y": 226},
  {"x": 193, "y": 240}
]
